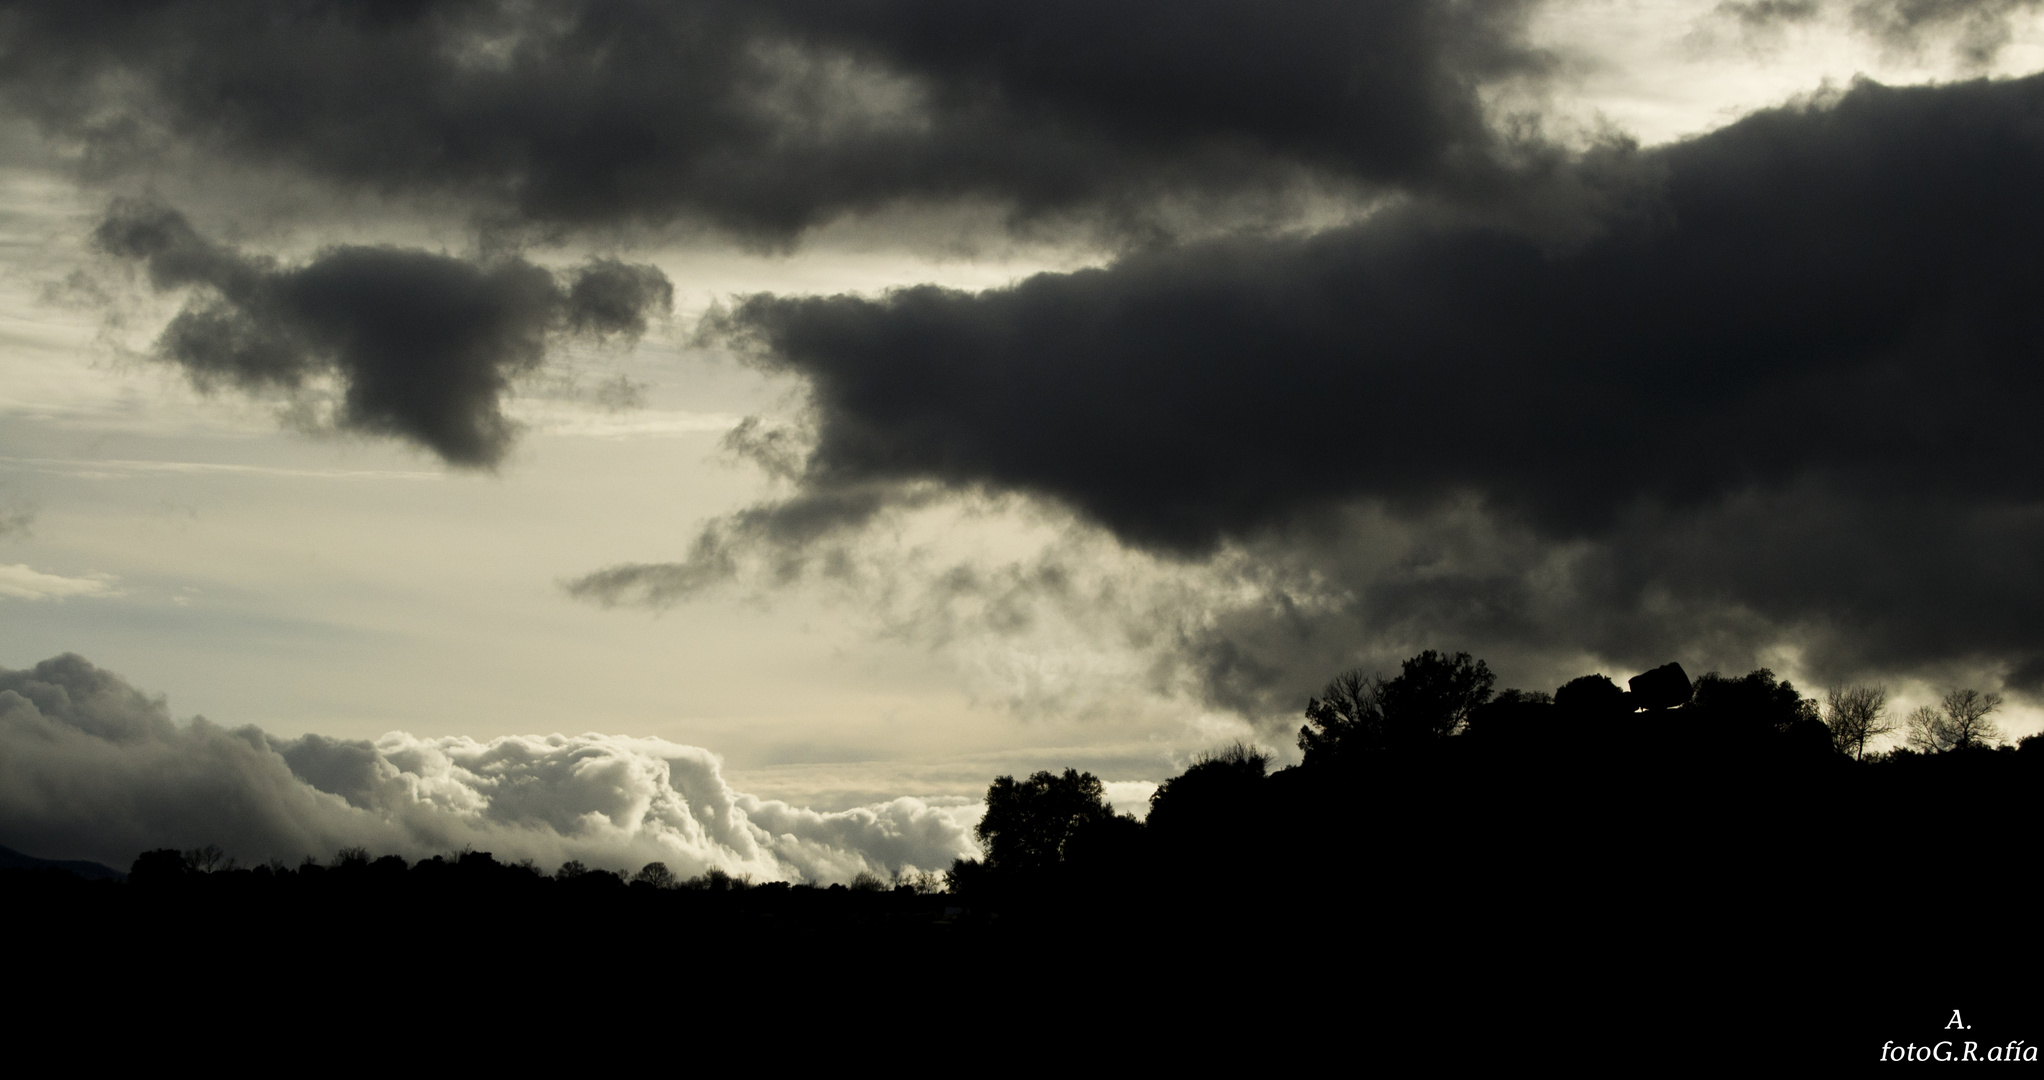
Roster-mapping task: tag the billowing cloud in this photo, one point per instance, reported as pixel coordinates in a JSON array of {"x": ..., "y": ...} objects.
[
  {"x": 1783, "y": 392},
  {"x": 90, "y": 767},
  {"x": 766, "y": 117},
  {"x": 425, "y": 345}
]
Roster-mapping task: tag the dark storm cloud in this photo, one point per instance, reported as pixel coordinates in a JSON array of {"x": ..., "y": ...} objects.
[
  {"x": 1790, "y": 386},
  {"x": 1846, "y": 288},
  {"x": 1841, "y": 585},
  {"x": 426, "y": 344},
  {"x": 765, "y": 116}
]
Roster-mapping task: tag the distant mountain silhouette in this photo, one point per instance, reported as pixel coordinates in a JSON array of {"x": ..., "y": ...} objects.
[{"x": 11, "y": 859}]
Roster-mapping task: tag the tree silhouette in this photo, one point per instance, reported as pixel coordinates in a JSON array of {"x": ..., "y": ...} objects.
[
  {"x": 1759, "y": 713},
  {"x": 1346, "y": 716},
  {"x": 1856, "y": 716},
  {"x": 1212, "y": 796},
  {"x": 1967, "y": 711},
  {"x": 209, "y": 859},
  {"x": 715, "y": 880},
  {"x": 1961, "y": 724},
  {"x": 1434, "y": 694},
  {"x": 1029, "y": 824},
  {"x": 1513, "y": 720},
  {"x": 161, "y": 867},
  {"x": 866, "y": 881},
  {"x": 918, "y": 882},
  {"x": 1432, "y": 698},
  {"x": 657, "y": 875}
]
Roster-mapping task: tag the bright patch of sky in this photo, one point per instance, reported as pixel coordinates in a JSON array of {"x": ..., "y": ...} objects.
[{"x": 1662, "y": 70}]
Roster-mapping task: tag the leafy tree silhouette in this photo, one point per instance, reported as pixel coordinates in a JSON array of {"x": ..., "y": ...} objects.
[
  {"x": 1029, "y": 824},
  {"x": 1432, "y": 698},
  {"x": 161, "y": 867},
  {"x": 1219, "y": 808},
  {"x": 1516, "y": 720},
  {"x": 866, "y": 881},
  {"x": 1434, "y": 695},
  {"x": 1758, "y": 716},
  {"x": 1347, "y": 716},
  {"x": 657, "y": 875},
  {"x": 1212, "y": 794},
  {"x": 717, "y": 881},
  {"x": 1590, "y": 699}
]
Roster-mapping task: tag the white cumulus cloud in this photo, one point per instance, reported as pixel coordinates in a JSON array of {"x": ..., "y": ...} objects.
[{"x": 92, "y": 768}]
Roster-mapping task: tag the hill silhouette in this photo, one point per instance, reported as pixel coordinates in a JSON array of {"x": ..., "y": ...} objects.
[{"x": 1675, "y": 857}]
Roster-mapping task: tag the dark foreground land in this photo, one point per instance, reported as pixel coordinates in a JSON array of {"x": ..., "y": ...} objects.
[{"x": 1615, "y": 889}]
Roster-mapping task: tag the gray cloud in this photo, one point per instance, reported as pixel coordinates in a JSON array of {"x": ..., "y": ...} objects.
[
  {"x": 1975, "y": 30},
  {"x": 764, "y": 118},
  {"x": 1781, "y": 394},
  {"x": 807, "y": 535},
  {"x": 90, "y": 767},
  {"x": 1765, "y": 13},
  {"x": 426, "y": 345},
  {"x": 1767, "y": 386}
]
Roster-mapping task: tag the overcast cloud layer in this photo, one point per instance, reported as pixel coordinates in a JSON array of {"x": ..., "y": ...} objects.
[
  {"x": 766, "y": 117},
  {"x": 1767, "y": 392},
  {"x": 1782, "y": 389},
  {"x": 90, "y": 767},
  {"x": 1845, "y": 288}
]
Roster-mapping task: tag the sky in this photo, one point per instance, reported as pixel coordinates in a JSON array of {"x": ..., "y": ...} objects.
[{"x": 759, "y": 425}]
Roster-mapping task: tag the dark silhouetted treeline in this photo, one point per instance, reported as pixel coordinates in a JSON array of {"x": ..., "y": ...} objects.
[
  {"x": 1630, "y": 864},
  {"x": 1649, "y": 860},
  {"x": 476, "y": 886},
  {"x": 1433, "y": 779}
]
